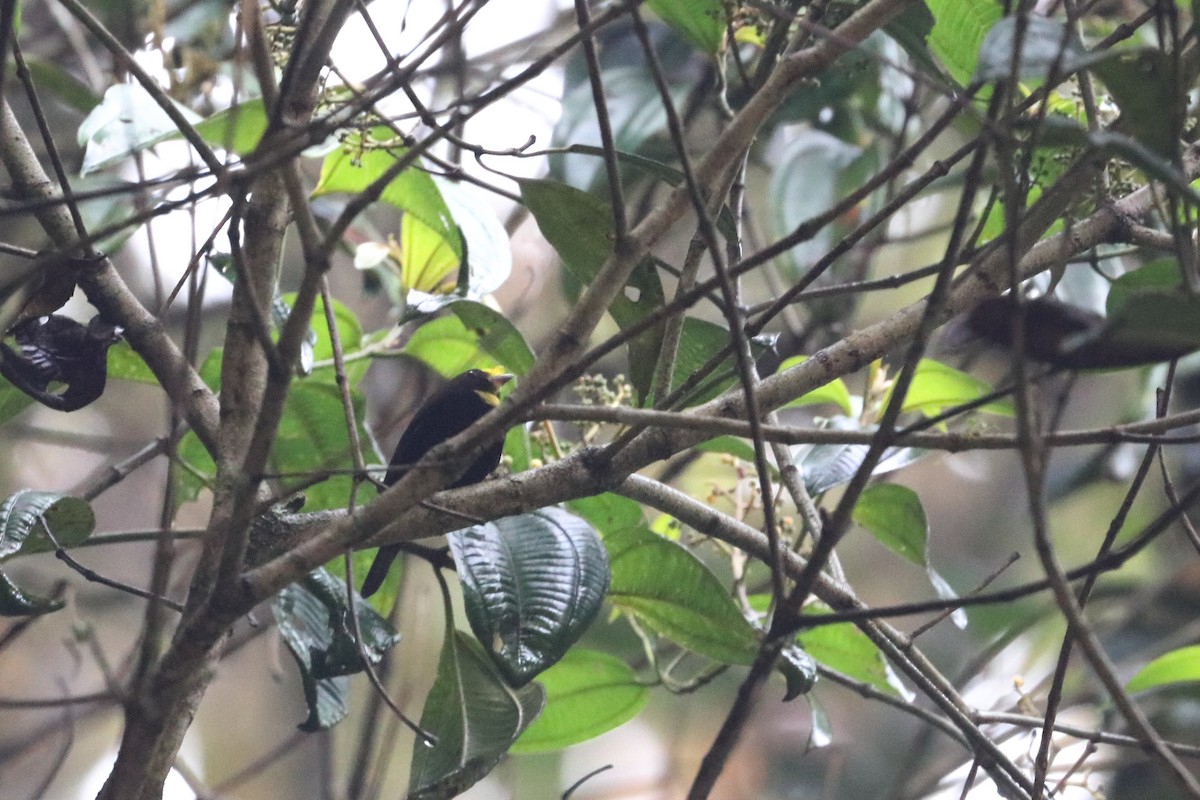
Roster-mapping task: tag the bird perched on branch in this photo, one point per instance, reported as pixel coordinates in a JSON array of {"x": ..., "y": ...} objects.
[{"x": 449, "y": 412}]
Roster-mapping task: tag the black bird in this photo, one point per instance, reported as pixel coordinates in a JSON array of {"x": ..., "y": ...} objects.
[{"x": 449, "y": 412}]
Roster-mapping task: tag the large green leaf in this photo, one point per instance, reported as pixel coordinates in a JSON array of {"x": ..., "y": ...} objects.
[
  {"x": 894, "y": 515},
  {"x": 579, "y": 226},
  {"x": 13, "y": 401},
  {"x": 671, "y": 592},
  {"x": 1150, "y": 90},
  {"x": 125, "y": 364},
  {"x": 1160, "y": 275},
  {"x": 531, "y": 586},
  {"x": 54, "y": 79},
  {"x": 312, "y": 437},
  {"x": 474, "y": 716},
  {"x": 587, "y": 693},
  {"x": 360, "y": 161},
  {"x": 498, "y": 337},
  {"x": 1147, "y": 327},
  {"x": 314, "y": 621},
  {"x": 448, "y": 346}
]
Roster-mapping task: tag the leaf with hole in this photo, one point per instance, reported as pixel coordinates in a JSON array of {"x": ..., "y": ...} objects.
[{"x": 579, "y": 227}]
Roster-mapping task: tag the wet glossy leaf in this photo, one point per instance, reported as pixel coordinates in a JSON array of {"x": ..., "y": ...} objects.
[
  {"x": 25, "y": 515},
  {"x": 475, "y": 717},
  {"x": 16, "y": 602},
  {"x": 531, "y": 585},
  {"x": 314, "y": 621}
]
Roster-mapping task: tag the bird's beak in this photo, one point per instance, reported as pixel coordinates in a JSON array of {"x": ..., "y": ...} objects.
[{"x": 498, "y": 379}]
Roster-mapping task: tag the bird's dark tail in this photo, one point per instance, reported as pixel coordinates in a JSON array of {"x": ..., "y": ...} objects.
[{"x": 379, "y": 569}]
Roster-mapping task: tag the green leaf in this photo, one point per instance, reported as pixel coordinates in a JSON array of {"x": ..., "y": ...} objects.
[
  {"x": 1160, "y": 275},
  {"x": 448, "y": 347},
  {"x": 609, "y": 512},
  {"x": 698, "y": 341},
  {"x": 1146, "y": 86},
  {"x": 360, "y": 162},
  {"x": 314, "y": 621},
  {"x": 1177, "y": 666},
  {"x": 672, "y": 593},
  {"x": 1045, "y": 44},
  {"x": 531, "y": 585},
  {"x": 701, "y": 22},
  {"x": 834, "y": 392},
  {"x": 475, "y": 717},
  {"x": 844, "y": 648},
  {"x": 124, "y": 364},
  {"x": 349, "y": 332},
  {"x": 58, "y": 82},
  {"x": 237, "y": 129},
  {"x": 15, "y": 602},
  {"x": 730, "y": 445},
  {"x": 1146, "y": 328},
  {"x": 936, "y": 387},
  {"x": 958, "y": 33},
  {"x": 726, "y": 224},
  {"x": 587, "y": 693},
  {"x": 12, "y": 401},
  {"x": 911, "y": 31},
  {"x": 498, "y": 337},
  {"x": 579, "y": 227},
  {"x": 25, "y": 515},
  {"x": 893, "y": 514},
  {"x": 312, "y": 437}
]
